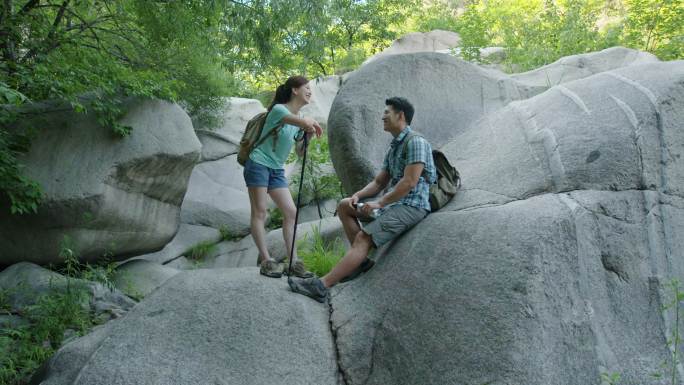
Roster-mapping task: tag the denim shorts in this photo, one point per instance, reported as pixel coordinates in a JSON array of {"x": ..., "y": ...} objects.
[
  {"x": 258, "y": 175},
  {"x": 393, "y": 221}
]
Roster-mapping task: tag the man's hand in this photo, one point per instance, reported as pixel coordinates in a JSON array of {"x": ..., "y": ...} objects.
[
  {"x": 368, "y": 208},
  {"x": 353, "y": 201}
]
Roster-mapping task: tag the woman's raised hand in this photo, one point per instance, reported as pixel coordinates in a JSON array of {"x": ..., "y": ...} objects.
[
  {"x": 319, "y": 130},
  {"x": 312, "y": 127}
]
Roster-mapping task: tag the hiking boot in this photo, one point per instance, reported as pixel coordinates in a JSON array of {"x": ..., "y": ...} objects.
[
  {"x": 298, "y": 270},
  {"x": 310, "y": 287},
  {"x": 363, "y": 267},
  {"x": 271, "y": 268}
]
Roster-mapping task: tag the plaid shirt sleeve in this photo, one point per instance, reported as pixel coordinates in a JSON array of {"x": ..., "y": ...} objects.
[{"x": 418, "y": 151}]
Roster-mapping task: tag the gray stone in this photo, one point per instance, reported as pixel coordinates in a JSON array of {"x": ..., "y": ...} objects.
[
  {"x": 581, "y": 66},
  {"x": 230, "y": 254},
  {"x": 448, "y": 94},
  {"x": 187, "y": 236},
  {"x": 110, "y": 195},
  {"x": 310, "y": 212},
  {"x": 138, "y": 278},
  {"x": 552, "y": 264},
  {"x": 182, "y": 263},
  {"x": 224, "y": 326},
  {"x": 210, "y": 203},
  {"x": 26, "y": 282},
  {"x": 433, "y": 41},
  {"x": 244, "y": 252},
  {"x": 219, "y": 142},
  {"x": 226, "y": 171},
  {"x": 216, "y": 146},
  {"x": 555, "y": 289},
  {"x": 607, "y": 132}
]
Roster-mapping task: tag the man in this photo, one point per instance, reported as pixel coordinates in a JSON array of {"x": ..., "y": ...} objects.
[{"x": 409, "y": 170}]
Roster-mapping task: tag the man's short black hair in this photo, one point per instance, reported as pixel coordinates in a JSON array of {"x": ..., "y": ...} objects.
[{"x": 401, "y": 104}]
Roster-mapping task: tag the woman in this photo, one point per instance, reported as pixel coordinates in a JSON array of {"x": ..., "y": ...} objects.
[{"x": 264, "y": 173}]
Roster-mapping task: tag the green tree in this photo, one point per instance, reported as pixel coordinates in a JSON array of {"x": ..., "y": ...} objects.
[
  {"x": 320, "y": 182},
  {"x": 61, "y": 50},
  {"x": 656, "y": 26}
]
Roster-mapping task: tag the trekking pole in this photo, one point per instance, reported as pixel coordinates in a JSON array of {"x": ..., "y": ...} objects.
[{"x": 299, "y": 198}]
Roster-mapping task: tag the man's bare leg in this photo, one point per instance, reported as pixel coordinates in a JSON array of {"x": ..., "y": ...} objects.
[
  {"x": 357, "y": 253},
  {"x": 348, "y": 217}
]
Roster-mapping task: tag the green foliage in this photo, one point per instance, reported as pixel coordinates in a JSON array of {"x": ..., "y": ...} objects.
[
  {"x": 436, "y": 14},
  {"x": 24, "y": 195},
  {"x": 61, "y": 50},
  {"x": 656, "y": 26},
  {"x": 227, "y": 234},
  {"x": 610, "y": 378},
  {"x": 533, "y": 32},
  {"x": 318, "y": 255},
  {"x": 676, "y": 298},
  {"x": 5, "y": 306},
  {"x": 200, "y": 250},
  {"x": 24, "y": 348},
  {"x": 101, "y": 272},
  {"x": 268, "y": 41},
  {"x": 276, "y": 217},
  {"x": 320, "y": 182},
  {"x": 538, "y": 32}
]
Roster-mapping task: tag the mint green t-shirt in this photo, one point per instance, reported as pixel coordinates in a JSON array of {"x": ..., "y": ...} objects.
[{"x": 264, "y": 154}]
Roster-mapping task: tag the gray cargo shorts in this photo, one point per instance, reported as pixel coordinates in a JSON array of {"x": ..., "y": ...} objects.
[{"x": 393, "y": 221}]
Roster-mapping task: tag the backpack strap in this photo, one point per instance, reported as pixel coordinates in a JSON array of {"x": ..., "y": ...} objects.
[
  {"x": 274, "y": 131},
  {"x": 404, "y": 151}
]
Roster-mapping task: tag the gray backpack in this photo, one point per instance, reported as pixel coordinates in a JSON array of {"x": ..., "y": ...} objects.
[{"x": 448, "y": 178}]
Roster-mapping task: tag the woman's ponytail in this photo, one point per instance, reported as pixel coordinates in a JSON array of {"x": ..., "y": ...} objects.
[{"x": 283, "y": 93}]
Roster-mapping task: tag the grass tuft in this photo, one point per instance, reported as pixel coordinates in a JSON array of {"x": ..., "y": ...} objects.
[{"x": 318, "y": 255}]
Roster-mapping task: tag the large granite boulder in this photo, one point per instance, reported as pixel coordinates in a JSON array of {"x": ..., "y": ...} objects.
[
  {"x": 217, "y": 197},
  {"x": 186, "y": 237},
  {"x": 449, "y": 94},
  {"x": 223, "y": 326},
  {"x": 580, "y": 66},
  {"x": 225, "y": 171},
  {"x": 552, "y": 264},
  {"x": 223, "y": 140},
  {"x": 549, "y": 267},
  {"x": 109, "y": 195},
  {"x": 433, "y": 41},
  {"x": 138, "y": 278}
]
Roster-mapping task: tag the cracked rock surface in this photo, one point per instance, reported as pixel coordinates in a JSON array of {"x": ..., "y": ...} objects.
[
  {"x": 218, "y": 326},
  {"x": 551, "y": 265}
]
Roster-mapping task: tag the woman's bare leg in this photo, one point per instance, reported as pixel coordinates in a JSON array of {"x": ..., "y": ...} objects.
[
  {"x": 283, "y": 199},
  {"x": 258, "y": 201}
]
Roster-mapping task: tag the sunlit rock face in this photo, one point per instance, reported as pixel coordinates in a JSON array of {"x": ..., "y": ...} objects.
[
  {"x": 552, "y": 264},
  {"x": 110, "y": 195}
]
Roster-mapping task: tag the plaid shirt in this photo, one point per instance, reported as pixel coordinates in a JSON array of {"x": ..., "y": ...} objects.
[{"x": 418, "y": 150}]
